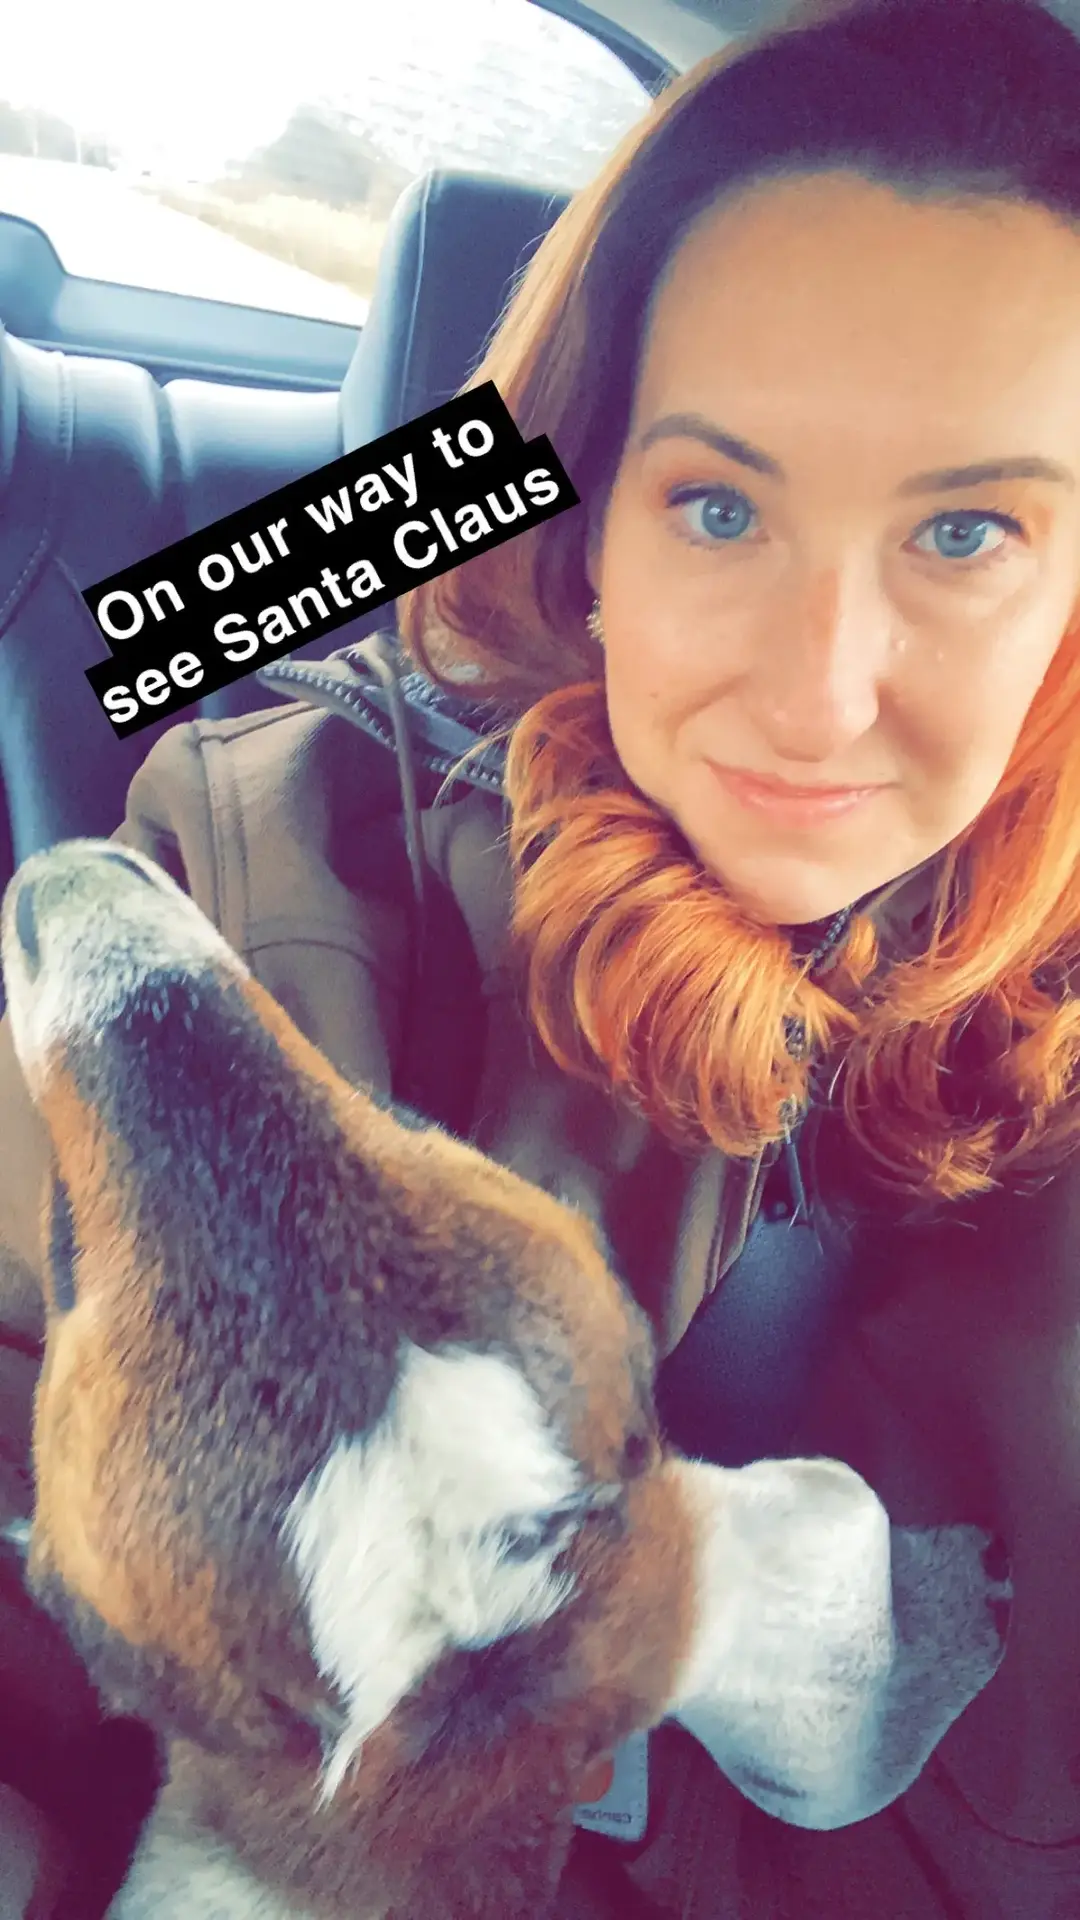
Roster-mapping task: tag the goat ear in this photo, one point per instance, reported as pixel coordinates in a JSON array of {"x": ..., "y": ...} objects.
[{"x": 832, "y": 1652}]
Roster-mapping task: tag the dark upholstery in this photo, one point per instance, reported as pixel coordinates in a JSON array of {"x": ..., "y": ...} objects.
[
  {"x": 100, "y": 467},
  {"x": 455, "y": 242}
]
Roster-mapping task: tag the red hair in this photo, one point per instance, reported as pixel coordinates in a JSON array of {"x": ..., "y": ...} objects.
[{"x": 955, "y": 1065}]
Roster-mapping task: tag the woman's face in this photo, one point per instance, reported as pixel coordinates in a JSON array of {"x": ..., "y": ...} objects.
[{"x": 843, "y": 543}]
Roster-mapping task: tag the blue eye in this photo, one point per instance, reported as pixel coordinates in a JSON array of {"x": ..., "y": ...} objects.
[
  {"x": 715, "y": 513},
  {"x": 963, "y": 536}
]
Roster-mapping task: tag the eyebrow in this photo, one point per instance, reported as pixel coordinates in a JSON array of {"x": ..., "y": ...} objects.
[{"x": 692, "y": 426}]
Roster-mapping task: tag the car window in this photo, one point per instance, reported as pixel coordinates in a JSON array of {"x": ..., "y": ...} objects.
[{"x": 219, "y": 152}]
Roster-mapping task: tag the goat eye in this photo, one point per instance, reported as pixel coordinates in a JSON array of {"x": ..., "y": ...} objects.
[{"x": 541, "y": 1533}]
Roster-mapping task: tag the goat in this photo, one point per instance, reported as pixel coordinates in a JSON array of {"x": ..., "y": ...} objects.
[{"x": 348, "y": 1477}]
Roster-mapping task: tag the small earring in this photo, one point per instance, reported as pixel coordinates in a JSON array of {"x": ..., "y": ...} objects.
[{"x": 595, "y": 624}]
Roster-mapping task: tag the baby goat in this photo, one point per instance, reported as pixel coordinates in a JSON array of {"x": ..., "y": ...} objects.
[{"x": 349, "y": 1481}]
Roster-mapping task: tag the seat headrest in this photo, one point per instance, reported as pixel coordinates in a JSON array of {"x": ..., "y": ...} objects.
[{"x": 453, "y": 249}]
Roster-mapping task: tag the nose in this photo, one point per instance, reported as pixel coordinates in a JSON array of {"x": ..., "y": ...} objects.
[
  {"x": 817, "y": 672},
  {"x": 96, "y": 940},
  {"x": 25, "y": 917}
]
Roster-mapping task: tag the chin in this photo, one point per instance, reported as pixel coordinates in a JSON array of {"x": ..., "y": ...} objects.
[
  {"x": 788, "y": 903},
  {"x": 778, "y": 886},
  {"x": 777, "y": 912}
]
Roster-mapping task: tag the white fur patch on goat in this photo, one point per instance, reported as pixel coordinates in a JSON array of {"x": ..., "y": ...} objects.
[{"x": 430, "y": 1533}]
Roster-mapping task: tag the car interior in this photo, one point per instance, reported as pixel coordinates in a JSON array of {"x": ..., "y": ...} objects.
[{"x": 130, "y": 417}]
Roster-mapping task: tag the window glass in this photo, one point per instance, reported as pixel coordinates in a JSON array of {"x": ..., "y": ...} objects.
[{"x": 221, "y": 152}]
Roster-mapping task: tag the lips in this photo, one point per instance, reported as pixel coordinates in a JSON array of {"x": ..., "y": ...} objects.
[
  {"x": 788, "y": 792},
  {"x": 799, "y": 805}
]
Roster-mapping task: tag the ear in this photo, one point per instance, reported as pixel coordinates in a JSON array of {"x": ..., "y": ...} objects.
[{"x": 831, "y": 1653}]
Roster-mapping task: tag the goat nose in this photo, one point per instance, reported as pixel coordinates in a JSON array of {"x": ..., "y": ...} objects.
[{"x": 27, "y": 905}]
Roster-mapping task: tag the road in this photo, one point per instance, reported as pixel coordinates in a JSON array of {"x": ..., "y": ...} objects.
[{"x": 104, "y": 228}]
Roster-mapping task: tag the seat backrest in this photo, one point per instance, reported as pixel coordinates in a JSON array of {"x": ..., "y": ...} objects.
[
  {"x": 101, "y": 467},
  {"x": 454, "y": 246}
]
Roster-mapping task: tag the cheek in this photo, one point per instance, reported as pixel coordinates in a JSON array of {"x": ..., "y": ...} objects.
[
  {"x": 670, "y": 649},
  {"x": 647, "y": 699},
  {"x": 960, "y": 704}
]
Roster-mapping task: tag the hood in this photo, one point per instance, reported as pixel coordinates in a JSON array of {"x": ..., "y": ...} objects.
[{"x": 371, "y": 685}]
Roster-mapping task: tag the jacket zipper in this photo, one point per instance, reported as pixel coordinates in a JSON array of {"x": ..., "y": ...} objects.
[{"x": 788, "y": 1148}]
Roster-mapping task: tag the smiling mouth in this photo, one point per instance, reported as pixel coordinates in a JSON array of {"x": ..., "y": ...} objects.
[{"x": 796, "y": 804}]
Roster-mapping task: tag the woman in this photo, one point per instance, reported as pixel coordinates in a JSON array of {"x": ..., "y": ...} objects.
[{"x": 793, "y": 877}]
